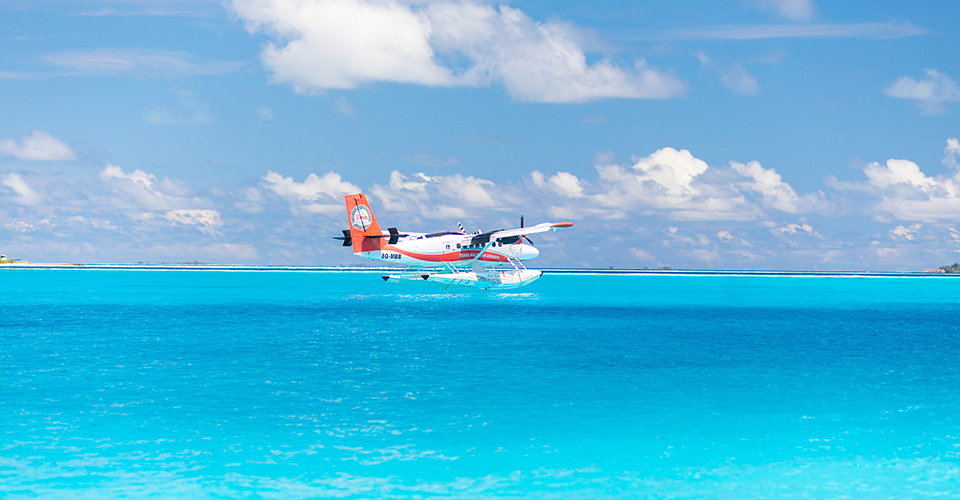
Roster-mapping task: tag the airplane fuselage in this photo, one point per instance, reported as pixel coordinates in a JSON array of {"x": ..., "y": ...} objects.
[{"x": 439, "y": 249}]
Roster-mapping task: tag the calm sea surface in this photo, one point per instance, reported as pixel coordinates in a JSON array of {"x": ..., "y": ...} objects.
[{"x": 218, "y": 384}]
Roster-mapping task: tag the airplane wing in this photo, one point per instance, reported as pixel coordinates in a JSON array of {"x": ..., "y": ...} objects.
[
  {"x": 523, "y": 231},
  {"x": 482, "y": 239}
]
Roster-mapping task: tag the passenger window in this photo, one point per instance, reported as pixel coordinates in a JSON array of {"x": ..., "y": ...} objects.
[
  {"x": 448, "y": 247},
  {"x": 458, "y": 245}
]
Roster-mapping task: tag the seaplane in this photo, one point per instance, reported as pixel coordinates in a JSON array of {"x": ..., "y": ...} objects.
[{"x": 485, "y": 260}]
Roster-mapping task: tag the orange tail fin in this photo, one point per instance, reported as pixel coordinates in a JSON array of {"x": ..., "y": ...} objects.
[{"x": 364, "y": 230}]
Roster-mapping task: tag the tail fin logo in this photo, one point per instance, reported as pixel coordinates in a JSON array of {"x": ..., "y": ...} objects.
[{"x": 360, "y": 217}]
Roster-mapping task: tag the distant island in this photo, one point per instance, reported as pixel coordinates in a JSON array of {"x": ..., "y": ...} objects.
[
  {"x": 19, "y": 263},
  {"x": 952, "y": 268}
]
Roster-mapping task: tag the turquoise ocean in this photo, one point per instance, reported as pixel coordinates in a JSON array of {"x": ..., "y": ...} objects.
[{"x": 221, "y": 384}]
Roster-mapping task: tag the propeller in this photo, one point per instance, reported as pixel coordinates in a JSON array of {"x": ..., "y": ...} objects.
[{"x": 525, "y": 236}]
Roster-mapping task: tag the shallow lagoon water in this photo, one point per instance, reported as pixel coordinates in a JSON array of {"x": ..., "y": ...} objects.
[{"x": 218, "y": 384}]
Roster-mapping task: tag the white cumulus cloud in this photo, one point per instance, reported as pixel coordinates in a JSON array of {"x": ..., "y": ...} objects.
[
  {"x": 669, "y": 179},
  {"x": 797, "y": 229},
  {"x": 898, "y": 172},
  {"x": 438, "y": 196},
  {"x": 951, "y": 153},
  {"x": 39, "y": 145},
  {"x": 250, "y": 200},
  {"x": 905, "y": 192},
  {"x": 19, "y": 191},
  {"x": 343, "y": 43},
  {"x": 776, "y": 193},
  {"x": 932, "y": 94},
  {"x": 673, "y": 182},
  {"x": 641, "y": 254},
  {"x": 19, "y": 226},
  {"x": 909, "y": 233},
  {"x": 562, "y": 183},
  {"x": 673, "y": 170},
  {"x": 327, "y": 44},
  {"x": 315, "y": 195},
  {"x": 141, "y": 190},
  {"x": 206, "y": 220}
]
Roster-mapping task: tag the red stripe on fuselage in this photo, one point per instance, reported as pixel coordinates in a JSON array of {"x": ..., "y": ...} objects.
[{"x": 457, "y": 256}]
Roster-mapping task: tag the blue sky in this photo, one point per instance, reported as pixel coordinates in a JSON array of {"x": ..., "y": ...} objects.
[{"x": 750, "y": 134}]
